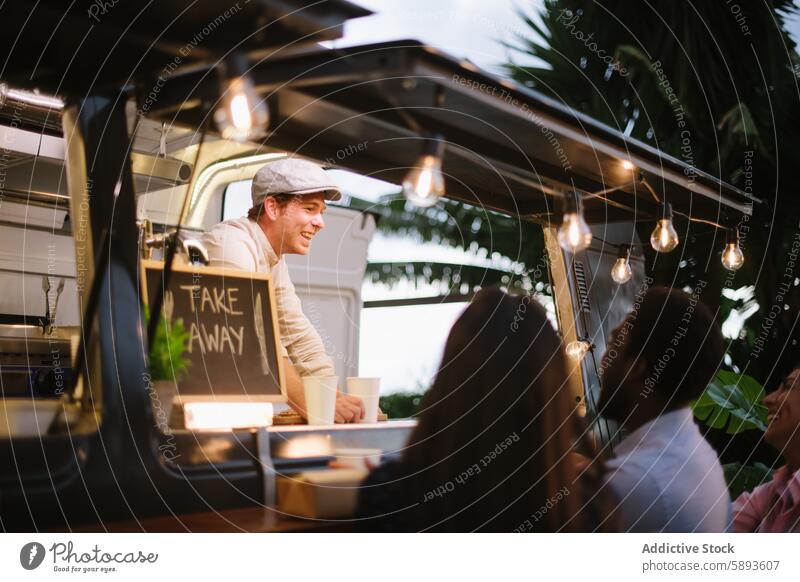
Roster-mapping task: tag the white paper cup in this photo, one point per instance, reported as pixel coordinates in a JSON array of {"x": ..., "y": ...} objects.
[
  {"x": 360, "y": 459},
  {"x": 320, "y": 392},
  {"x": 369, "y": 391}
]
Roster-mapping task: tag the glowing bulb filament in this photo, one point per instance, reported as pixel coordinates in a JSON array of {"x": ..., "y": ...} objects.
[
  {"x": 577, "y": 349},
  {"x": 621, "y": 271},
  {"x": 241, "y": 115},
  {"x": 732, "y": 256},
  {"x": 664, "y": 237},
  {"x": 240, "y": 112},
  {"x": 424, "y": 183},
  {"x": 574, "y": 234}
]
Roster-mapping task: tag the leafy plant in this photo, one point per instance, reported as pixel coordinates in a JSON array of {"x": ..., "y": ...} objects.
[
  {"x": 168, "y": 360},
  {"x": 744, "y": 478},
  {"x": 516, "y": 248},
  {"x": 401, "y": 404},
  {"x": 732, "y": 402}
]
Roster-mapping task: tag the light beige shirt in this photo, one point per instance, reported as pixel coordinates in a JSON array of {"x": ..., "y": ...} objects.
[{"x": 241, "y": 244}]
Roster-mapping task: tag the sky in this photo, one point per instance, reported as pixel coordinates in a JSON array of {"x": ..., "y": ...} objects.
[{"x": 470, "y": 29}]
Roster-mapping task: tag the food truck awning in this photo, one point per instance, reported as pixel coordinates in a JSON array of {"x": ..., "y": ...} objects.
[
  {"x": 90, "y": 45},
  {"x": 508, "y": 148}
]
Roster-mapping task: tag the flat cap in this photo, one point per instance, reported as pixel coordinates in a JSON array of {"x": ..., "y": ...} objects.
[{"x": 293, "y": 176}]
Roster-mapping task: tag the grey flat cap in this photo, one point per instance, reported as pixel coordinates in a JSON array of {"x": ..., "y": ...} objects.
[{"x": 293, "y": 176}]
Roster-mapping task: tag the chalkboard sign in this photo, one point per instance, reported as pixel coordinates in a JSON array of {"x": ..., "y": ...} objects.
[{"x": 233, "y": 331}]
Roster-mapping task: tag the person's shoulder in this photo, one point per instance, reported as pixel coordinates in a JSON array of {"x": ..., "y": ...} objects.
[
  {"x": 230, "y": 244},
  {"x": 760, "y": 493},
  {"x": 234, "y": 228},
  {"x": 632, "y": 471},
  {"x": 230, "y": 234}
]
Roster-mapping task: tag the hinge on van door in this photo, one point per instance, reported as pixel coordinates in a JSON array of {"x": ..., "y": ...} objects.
[{"x": 583, "y": 290}]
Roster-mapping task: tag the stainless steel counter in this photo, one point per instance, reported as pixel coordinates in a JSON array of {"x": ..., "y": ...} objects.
[{"x": 291, "y": 446}]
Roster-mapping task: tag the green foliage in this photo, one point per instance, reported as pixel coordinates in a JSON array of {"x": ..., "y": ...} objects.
[
  {"x": 732, "y": 402},
  {"x": 691, "y": 73},
  {"x": 515, "y": 247},
  {"x": 744, "y": 478},
  {"x": 401, "y": 404},
  {"x": 168, "y": 360},
  {"x": 456, "y": 278}
]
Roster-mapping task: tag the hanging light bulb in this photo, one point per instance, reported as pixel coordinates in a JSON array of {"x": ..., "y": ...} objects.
[
  {"x": 424, "y": 183},
  {"x": 574, "y": 234},
  {"x": 732, "y": 256},
  {"x": 664, "y": 237},
  {"x": 242, "y": 115},
  {"x": 577, "y": 349},
  {"x": 621, "y": 271}
]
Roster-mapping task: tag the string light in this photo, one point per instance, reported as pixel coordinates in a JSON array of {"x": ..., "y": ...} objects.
[
  {"x": 664, "y": 237},
  {"x": 732, "y": 256},
  {"x": 577, "y": 349},
  {"x": 242, "y": 115},
  {"x": 574, "y": 234},
  {"x": 621, "y": 271},
  {"x": 424, "y": 183}
]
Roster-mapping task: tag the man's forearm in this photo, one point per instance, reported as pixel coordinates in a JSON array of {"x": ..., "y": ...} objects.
[{"x": 294, "y": 387}]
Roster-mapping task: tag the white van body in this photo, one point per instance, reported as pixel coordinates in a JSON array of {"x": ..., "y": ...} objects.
[{"x": 33, "y": 245}]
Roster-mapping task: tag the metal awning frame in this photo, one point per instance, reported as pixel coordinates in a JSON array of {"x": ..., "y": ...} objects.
[{"x": 320, "y": 80}]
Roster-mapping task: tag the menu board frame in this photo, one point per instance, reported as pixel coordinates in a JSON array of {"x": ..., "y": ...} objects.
[{"x": 252, "y": 278}]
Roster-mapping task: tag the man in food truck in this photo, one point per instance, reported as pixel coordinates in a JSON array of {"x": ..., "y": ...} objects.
[{"x": 289, "y": 198}]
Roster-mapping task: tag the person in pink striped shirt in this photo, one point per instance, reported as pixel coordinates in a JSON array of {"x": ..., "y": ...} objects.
[{"x": 775, "y": 506}]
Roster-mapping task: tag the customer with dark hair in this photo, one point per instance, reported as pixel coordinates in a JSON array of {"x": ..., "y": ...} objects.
[
  {"x": 492, "y": 448},
  {"x": 665, "y": 476},
  {"x": 775, "y": 506}
]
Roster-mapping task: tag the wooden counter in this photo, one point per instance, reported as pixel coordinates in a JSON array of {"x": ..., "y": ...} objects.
[
  {"x": 294, "y": 448},
  {"x": 247, "y": 519}
]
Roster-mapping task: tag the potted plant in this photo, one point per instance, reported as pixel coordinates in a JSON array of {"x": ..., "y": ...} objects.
[{"x": 169, "y": 363}]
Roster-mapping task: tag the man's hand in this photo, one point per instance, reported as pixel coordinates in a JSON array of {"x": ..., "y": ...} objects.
[{"x": 348, "y": 408}]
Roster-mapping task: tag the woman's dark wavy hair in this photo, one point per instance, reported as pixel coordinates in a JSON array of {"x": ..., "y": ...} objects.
[{"x": 495, "y": 435}]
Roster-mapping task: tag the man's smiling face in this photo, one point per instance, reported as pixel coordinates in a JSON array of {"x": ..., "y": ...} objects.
[{"x": 298, "y": 222}]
